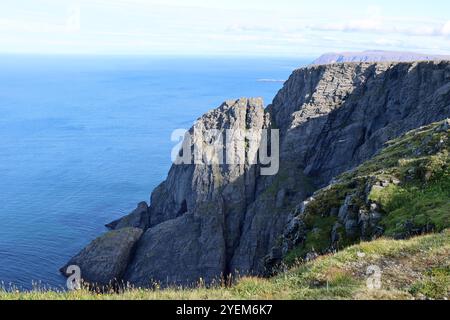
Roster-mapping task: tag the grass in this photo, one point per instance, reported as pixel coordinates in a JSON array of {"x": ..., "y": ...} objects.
[
  {"x": 318, "y": 238},
  {"x": 418, "y": 201},
  {"x": 417, "y": 268},
  {"x": 420, "y": 206}
]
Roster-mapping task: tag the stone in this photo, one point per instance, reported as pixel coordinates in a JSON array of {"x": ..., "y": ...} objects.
[
  {"x": 197, "y": 214},
  {"x": 139, "y": 218},
  {"x": 351, "y": 228},
  {"x": 344, "y": 209},
  {"x": 104, "y": 261},
  {"x": 180, "y": 252},
  {"x": 311, "y": 256},
  {"x": 301, "y": 208},
  {"x": 444, "y": 127},
  {"x": 335, "y": 236}
]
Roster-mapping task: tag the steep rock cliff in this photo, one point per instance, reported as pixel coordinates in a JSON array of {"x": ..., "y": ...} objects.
[
  {"x": 332, "y": 118},
  {"x": 403, "y": 191},
  {"x": 207, "y": 221},
  {"x": 196, "y": 215}
]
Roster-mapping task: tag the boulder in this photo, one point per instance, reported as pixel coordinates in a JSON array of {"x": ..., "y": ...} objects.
[
  {"x": 180, "y": 252},
  {"x": 105, "y": 259}
]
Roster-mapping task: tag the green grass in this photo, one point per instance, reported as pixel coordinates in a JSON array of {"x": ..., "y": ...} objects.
[
  {"x": 318, "y": 239},
  {"x": 418, "y": 202},
  {"x": 434, "y": 285},
  {"x": 417, "y": 268},
  {"x": 419, "y": 205}
]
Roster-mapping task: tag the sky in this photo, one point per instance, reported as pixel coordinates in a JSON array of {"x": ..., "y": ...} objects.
[{"x": 223, "y": 27}]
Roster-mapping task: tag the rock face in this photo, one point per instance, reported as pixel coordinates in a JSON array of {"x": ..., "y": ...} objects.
[
  {"x": 181, "y": 251},
  {"x": 196, "y": 215},
  {"x": 139, "y": 218},
  {"x": 376, "y": 56},
  {"x": 334, "y": 117},
  {"x": 105, "y": 259},
  {"x": 208, "y": 221},
  {"x": 370, "y": 201}
]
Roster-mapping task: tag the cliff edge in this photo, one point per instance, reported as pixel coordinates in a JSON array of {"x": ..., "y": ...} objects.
[{"x": 207, "y": 221}]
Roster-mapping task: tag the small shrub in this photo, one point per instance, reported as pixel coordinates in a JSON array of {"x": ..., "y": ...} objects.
[{"x": 435, "y": 285}]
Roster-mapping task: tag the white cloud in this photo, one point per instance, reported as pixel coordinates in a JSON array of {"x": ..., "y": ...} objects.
[
  {"x": 202, "y": 26},
  {"x": 386, "y": 27},
  {"x": 446, "y": 29},
  {"x": 375, "y": 22},
  {"x": 388, "y": 42},
  {"x": 375, "y": 11},
  {"x": 73, "y": 22},
  {"x": 31, "y": 24}
]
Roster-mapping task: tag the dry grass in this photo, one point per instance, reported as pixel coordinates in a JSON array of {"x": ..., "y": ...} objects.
[{"x": 418, "y": 268}]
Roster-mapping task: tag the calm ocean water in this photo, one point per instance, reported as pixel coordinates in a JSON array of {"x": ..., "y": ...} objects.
[{"x": 84, "y": 139}]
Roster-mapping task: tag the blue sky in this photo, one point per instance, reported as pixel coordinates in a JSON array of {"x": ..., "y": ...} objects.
[{"x": 231, "y": 27}]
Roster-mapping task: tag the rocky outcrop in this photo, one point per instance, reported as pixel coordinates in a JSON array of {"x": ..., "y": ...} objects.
[
  {"x": 377, "y": 198},
  {"x": 181, "y": 251},
  {"x": 138, "y": 218},
  {"x": 334, "y": 117},
  {"x": 104, "y": 260},
  {"x": 331, "y": 119},
  {"x": 208, "y": 221},
  {"x": 196, "y": 215}
]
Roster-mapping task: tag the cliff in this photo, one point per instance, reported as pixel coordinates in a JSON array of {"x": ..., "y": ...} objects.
[
  {"x": 401, "y": 192},
  {"x": 211, "y": 220}
]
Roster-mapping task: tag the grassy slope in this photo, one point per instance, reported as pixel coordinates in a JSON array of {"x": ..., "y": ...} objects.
[
  {"x": 414, "y": 268},
  {"x": 420, "y": 200}
]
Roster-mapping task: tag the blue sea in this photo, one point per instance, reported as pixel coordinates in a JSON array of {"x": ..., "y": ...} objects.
[{"x": 83, "y": 139}]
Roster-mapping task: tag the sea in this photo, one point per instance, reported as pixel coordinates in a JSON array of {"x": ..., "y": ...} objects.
[{"x": 83, "y": 139}]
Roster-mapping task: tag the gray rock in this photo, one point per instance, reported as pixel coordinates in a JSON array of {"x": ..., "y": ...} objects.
[
  {"x": 198, "y": 213},
  {"x": 209, "y": 220},
  {"x": 352, "y": 228},
  {"x": 139, "y": 218},
  {"x": 335, "y": 236},
  {"x": 105, "y": 259},
  {"x": 187, "y": 185},
  {"x": 180, "y": 252},
  {"x": 334, "y": 117},
  {"x": 311, "y": 256},
  {"x": 444, "y": 127},
  {"x": 331, "y": 119},
  {"x": 344, "y": 209}
]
